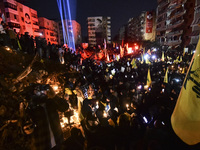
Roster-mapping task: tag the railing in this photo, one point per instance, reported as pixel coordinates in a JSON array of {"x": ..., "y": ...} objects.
[
  {"x": 177, "y": 14},
  {"x": 175, "y": 33},
  {"x": 176, "y": 24},
  {"x": 161, "y": 28},
  {"x": 173, "y": 43}
]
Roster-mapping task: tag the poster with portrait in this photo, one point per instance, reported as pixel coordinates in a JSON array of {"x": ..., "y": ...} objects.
[
  {"x": 27, "y": 20},
  {"x": 149, "y": 22}
]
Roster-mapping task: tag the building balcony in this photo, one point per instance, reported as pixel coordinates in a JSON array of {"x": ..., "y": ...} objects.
[
  {"x": 174, "y": 33},
  {"x": 174, "y": 6},
  {"x": 9, "y": 10},
  {"x": 161, "y": 29},
  {"x": 173, "y": 43},
  {"x": 195, "y": 33},
  {"x": 196, "y": 21},
  {"x": 176, "y": 24},
  {"x": 160, "y": 22},
  {"x": 162, "y": 12},
  {"x": 177, "y": 14},
  {"x": 36, "y": 26}
]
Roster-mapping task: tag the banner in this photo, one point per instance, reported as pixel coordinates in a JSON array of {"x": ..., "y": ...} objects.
[
  {"x": 149, "y": 22},
  {"x": 27, "y": 20}
]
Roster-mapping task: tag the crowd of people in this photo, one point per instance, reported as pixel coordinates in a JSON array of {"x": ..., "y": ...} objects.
[
  {"x": 30, "y": 45},
  {"x": 120, "y": 112},
  {"x": 116, "y": 108}
]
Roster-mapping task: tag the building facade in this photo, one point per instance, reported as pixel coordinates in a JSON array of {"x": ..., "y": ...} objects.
[
  {"x": 174, "y": 18},
  {"x": 196, "y": 24},
  {"x": 20, "y": 17},
  {"x": 99, "y": 30},
  {"x": 48, "y": 30},
  {"x": 71, "y": 26},
  {"x": 142, "y": 28}
]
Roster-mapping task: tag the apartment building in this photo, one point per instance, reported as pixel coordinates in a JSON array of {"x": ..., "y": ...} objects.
[
  {"x": 48, "y": 30},
  {"x": 196, "y": 25},
  {"x": 20, "y": 17},
  {"x": 99, "y": 29},
  {"x": 70, "y": 27},
  {"x": 174, "y": 19}
]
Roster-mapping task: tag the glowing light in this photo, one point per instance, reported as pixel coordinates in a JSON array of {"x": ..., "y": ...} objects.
[
  {"x": 130, "y": 50},
  {"x": 41, "y": 34},
  {"x": 146, "y": 87},
  {"x": 136, "y": 46},
  {"x": 105, "y": 115},
  {"x": 177, "y": 80},
  {"x": 97, "y": 105},
  {"x": 113, "y": 72},
  {"x": 127, "y": 105},
  {"x": 145, "y": 119},
  {"x": 146, "y": 56},
  {"x": 8, "y": 48},
  {"x": 116, "y": 109},
  {"x": 153, "y": 57},
  {"x": 154, "y": 50},
  {"x": 73, "y": 119},
  {"x": 66, "y": 20},
  {"x": 55, "y": 87},
  {"x": 139, "y": 87}
]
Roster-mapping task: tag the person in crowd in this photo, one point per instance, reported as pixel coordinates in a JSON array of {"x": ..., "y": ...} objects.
[
  {"x": 43, "y": 110},
  {"x": 39, "y": 50},
  {"x": 2, "y": 34}
]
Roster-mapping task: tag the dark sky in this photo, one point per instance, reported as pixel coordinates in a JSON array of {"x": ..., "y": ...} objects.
[{"x": 119, "y": 10}]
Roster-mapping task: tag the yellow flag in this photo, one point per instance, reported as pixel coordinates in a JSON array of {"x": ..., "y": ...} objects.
[
  {"x": 183, "y": 71},
  {"x": 148, "y": 78},
  {"x": 166, "y": 76},
  {"x": 133, "y": 63},
  {"x": 147, "y": 61},
  {"x": 104, "y": 104},
  {"x": 177, "y": 60},
  {"x": 142, "y": 59},
  {"x": 184, "y": 52},
  {"x": 163, "y": 56},
  {"x": 74, "y": 91},
  {"x": 118, "y": 57},
  {"x": 185, "y": 119},
  {"x": 181, "y": 59},
  {"x": 20, "y": 48},
  {"x": 68, "y": 91}
]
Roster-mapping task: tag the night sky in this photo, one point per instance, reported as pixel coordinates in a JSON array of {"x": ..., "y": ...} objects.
[{"x": 119, "y": 10}]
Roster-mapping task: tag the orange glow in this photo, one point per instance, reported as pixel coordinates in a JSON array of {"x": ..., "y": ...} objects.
[
  {"x": 130, "y": 50},
  {"x": 136, "y": 47},
  {"x": 85, "y": 45}
]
